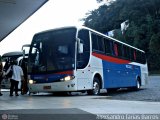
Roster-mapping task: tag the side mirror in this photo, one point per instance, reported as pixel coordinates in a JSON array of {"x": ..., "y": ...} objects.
[
  {"x": 23, "y": 53},
  {"x": 80, "y": 46},
  {"x": 24, "y": 49}
]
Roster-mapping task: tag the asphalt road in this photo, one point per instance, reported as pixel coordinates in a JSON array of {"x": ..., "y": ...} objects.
[
  {"x": 150, "y": 92},
  {"x": 81, "y": 106}
]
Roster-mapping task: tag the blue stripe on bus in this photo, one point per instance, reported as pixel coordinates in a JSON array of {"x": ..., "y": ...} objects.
[
  {"x": 119, "y": 75},
  {"x": 48, "y": 78}
]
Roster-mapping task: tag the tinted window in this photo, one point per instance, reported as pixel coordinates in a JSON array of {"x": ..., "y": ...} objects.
[
  {"x": 107, "y": 46},
  {"x": 100, "y": 44},
  {"x": 94, "y": 42},
  {"x": 97, "y": 43},
  {"x": 139, "y": 56},
  {"x": 83, "y": 58},
  {"x": 53, "y": 51},
  {"x": 117, "y": 49},
  {"x": 132, "y": 56},
  {"x": 126, "y": 52},
  {"x": 143, "y": 58},
  {"x": 84, "y": 37}
]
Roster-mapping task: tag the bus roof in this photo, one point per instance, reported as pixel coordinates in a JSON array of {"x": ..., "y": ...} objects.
[
  {"x": 83, "y": 27},
  {"x": 11, "y": 54},
  {"x": 110, "y": 38},
  {"x": 49, "y": 30}
]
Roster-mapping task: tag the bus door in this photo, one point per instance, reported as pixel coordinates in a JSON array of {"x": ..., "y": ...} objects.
[{"x": 83, "y": 55}]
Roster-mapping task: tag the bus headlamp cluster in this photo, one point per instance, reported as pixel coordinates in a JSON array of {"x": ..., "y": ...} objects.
[
  {"x": 67, "y": 78},
  {"x": 32, "y": 82}
]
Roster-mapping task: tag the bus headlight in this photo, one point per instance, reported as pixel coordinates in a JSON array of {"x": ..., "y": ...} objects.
[
  {"x": 67, "y": 78},
  {"x": 31, "y": 82}
]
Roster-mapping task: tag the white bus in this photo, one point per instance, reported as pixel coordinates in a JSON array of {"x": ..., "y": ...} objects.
[
  {"x": 81, "y": 59},
  {"x": 6, "y": 60},
  {"x": 21, "y": 57}
]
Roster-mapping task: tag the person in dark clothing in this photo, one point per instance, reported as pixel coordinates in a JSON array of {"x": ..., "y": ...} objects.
[
  {"x": 1, "y": 74},
  {"x": 24, "y": 82},
  {"x": 6, "y": 66}
]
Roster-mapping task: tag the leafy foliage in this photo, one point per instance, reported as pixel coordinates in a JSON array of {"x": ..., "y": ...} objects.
[{"x": 144, "y": 25}]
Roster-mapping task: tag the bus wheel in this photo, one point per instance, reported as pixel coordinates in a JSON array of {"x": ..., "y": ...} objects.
[
  {"x": 96, "y": 87},
  {"x": 138, "y": 84}
]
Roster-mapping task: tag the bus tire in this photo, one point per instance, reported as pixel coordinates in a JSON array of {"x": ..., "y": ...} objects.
[
  {"x": 138, "y": 85},
  {"x": 96, "y": 87}
]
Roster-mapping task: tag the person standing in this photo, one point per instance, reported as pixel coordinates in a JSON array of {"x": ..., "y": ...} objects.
[
  {"x": 1, "y": 74},
  {"x": 16, "y": 77},
  {"x": 24, "y": 82}
]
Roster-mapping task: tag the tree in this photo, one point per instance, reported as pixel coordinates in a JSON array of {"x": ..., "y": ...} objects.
[
  {"x": 155, "y": 43},
  {"x": 144, "y": 24},
  {"x": 154, "y": 47}
]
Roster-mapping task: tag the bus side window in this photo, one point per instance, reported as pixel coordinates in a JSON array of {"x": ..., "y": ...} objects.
[
  {"x": 94, "y": 42},
  {"x": 84, "y": 37},
  {"x": 119, "y": 48},
  {"x": 126, "y": 52},
  {"x": 132, "y": 55},
  {"x": 139, "y": 59},
  {"x": 143, "y": 58},
  {"x": 115, "y": 50},
  {"x": 112, "y": 48},
  {"x": 107, "y": 46},
  {"x": 100, "y": 44},
  {"x": 97, "y": 43},
  {"x": 135, "y": 55}
]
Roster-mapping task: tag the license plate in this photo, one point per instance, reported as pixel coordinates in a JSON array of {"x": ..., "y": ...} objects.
[{"x": 46, "y": 87}]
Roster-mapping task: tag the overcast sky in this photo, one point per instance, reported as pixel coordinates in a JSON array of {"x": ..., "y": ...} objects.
[{"x": 55, "y": 13}]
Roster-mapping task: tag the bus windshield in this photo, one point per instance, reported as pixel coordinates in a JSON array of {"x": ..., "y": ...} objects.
[{"x": 53, "y": 51}]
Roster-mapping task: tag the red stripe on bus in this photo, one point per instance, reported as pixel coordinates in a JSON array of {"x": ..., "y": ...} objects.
[
  {"x": 65, "y": 72},
  {"x": 111, "y": 59}
]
